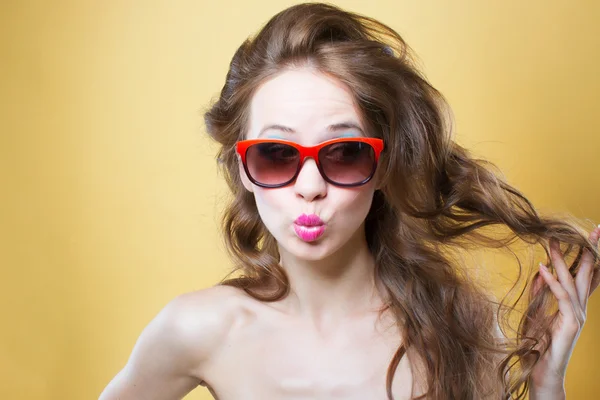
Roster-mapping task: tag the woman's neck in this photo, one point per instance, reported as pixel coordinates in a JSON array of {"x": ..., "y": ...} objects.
[{"x": 327, "y": 291}]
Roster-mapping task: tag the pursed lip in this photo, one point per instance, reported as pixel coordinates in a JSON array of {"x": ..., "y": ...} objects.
[{"x": 309, "y": 220}]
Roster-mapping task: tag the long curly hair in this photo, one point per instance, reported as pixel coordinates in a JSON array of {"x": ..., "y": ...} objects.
[{"x": 434, "y": 197}]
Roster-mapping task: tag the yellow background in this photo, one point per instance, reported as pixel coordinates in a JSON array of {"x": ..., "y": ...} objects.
[{"x": 109, "y": 194}]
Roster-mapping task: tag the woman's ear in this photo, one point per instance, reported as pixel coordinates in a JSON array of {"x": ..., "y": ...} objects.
[{"x": 245, "y": 181}]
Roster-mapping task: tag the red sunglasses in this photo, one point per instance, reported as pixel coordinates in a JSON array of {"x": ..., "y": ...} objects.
[{"x": 273, "y": 163}]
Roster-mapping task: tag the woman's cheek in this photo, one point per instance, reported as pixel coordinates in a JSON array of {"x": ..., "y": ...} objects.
[{"x": 271, "y": 209}]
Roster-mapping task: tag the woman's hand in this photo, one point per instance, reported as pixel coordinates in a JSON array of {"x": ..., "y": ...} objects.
[{"x": 548, "y": 375}]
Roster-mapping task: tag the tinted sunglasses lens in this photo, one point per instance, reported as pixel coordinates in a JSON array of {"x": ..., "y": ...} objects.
[
  {"x": 272, "y": 163},
  {"x": 348, "y": 163}
]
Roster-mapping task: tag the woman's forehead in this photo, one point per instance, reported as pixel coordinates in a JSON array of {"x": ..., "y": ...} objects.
[{"x": 303, "y": 101}]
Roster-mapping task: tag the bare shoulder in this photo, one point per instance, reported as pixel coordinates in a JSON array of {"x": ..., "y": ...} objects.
[
  {"x": 172, "y": 352},
  {"x": 202, "y": 319}
]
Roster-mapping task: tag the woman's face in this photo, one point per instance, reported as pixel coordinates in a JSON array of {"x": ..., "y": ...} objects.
[{"x": 306, "y": 106}]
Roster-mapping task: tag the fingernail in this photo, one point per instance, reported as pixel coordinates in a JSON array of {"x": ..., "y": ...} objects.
[{"x": 543, "y": 267}]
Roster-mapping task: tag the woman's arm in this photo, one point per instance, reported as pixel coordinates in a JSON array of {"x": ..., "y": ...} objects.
[{"x": 168, "y": 359}]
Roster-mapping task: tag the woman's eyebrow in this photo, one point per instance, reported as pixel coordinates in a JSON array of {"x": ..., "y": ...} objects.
[
  {"x": 342, "y": 126},
  {"x": 276, "y": 127}
]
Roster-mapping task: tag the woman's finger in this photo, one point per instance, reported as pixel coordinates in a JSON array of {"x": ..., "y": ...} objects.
[
  {"x": 537, "y": 284},
  {"x": 595, "y": 280},
  {"x": 565, "y": 304},
  {"x": 563, "y": 273},
  {"x": 583, "y": 279}
]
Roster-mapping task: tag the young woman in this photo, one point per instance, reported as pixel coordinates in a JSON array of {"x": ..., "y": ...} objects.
[{"x": 348, "y": 196}]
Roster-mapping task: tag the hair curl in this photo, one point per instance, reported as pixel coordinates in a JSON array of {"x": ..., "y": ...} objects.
[{"x": 434, "y": 197}]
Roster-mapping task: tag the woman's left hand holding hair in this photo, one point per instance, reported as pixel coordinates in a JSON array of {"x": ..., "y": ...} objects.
[{"x": 548, "y": 375}]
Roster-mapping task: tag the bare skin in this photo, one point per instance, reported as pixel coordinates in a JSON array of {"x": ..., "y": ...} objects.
[{"x": 242, "y": 349}]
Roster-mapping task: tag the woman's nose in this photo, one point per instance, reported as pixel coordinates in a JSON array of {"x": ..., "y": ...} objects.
[{"x": 309, "y": 182}]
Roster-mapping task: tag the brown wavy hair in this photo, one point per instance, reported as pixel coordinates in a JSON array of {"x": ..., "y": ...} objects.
[{"x": 434, "y": 197}]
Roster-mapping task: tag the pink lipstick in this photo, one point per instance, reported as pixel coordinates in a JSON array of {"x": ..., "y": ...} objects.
[{"x": 309, "y": 227}]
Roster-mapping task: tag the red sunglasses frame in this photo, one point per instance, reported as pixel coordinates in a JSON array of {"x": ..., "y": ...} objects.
[{"x": 309, "y": 151}]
